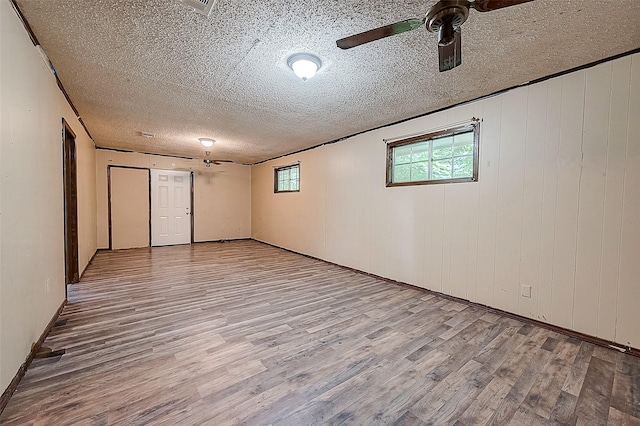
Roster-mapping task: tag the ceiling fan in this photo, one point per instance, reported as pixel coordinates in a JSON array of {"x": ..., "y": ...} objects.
[
  {"x": 208, "y": 161},
  {"x": 445, "y": 17}
]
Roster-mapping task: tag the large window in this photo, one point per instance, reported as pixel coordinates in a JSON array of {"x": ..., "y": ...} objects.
[
  {"x": 287, "y": 178},
  {"x": 441, "y": 157}
]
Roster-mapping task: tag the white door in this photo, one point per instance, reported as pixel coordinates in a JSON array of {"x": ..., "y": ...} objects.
[{"x": 170, "y": 207}]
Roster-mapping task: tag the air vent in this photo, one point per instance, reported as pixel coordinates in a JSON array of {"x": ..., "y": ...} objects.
[{"x": 201, "y": 6}]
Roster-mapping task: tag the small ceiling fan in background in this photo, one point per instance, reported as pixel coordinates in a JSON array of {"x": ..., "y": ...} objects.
[
  {"x": 208, "y": 161},
  {"x": 445, "y": 17}
]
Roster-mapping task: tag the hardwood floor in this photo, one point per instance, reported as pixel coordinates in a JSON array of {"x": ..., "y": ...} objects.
[{"x": 244, "y": 333}]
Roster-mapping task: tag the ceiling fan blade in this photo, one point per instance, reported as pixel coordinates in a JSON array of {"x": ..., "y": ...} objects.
[
  {"x": 489, "y": 5},
  {"x": 450, "y": 55},
  {"x": 378, "y": 33}
]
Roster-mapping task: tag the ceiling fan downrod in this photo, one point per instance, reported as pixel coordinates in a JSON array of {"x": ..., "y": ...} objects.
[{"x": 446, "y": 33}]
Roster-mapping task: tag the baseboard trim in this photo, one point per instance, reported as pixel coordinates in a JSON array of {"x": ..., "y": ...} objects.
[
  {"x": 223, "y": 240},
  {"x": 35, "y": 347},
  {"x": 561, "y": 330}
]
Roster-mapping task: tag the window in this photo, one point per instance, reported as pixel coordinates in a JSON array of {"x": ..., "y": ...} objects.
[
  {"x": 441, "y": 157},
  {"x": 287, "y": 178}
]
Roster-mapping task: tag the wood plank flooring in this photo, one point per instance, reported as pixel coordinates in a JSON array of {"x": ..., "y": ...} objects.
[{"x": 244, "y": 333}]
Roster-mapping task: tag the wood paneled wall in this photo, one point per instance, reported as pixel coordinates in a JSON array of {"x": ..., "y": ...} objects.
[
  {"x": 129, "y": 207},
  {"x": 222, "y": 194},
  {"x": 32, "y": 280},
  {"x": 556, "y": 206}
]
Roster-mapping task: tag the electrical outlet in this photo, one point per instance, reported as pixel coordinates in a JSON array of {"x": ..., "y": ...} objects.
[{"x": 526, "y": 291}]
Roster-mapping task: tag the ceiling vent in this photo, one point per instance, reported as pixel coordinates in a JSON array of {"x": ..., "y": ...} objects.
[{"x": 201, "y": 6}]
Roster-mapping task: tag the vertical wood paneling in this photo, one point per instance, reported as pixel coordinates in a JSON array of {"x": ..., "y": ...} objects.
[
  {"x": 448, "y": 228},
  {"x": 471, "y": 280},
  {"x": 368, "y": 252},
  {"x": 374, "y": 201},
  {"x": 390, "y": 233},
  {"x": 368, "y": 182},
  {"x": 417, "y": 245},
  {"x": 436, "y": 214},
  {"x": 532, "y": 197},
  {"x": 400, "y": 236},
  {"x": 474, "y": 221},
  {"x": 629, "y": 289},
  {"x": 489, "y": 160},
  {"x": 570, "y": 157},
  {"x": 549, "y": 198},
  {"x": 591, "y": 203},
  {"x": 509, "y": 203},
  {"x": 129, "y": 208},
  {"x": 540, "y": 215},
  {"x": 426, "y": 239},
  {"x": 31, "y": 194},
  {"x": 340, "y": 214},
  {"x": 614, "y": 185},
  {"x": 457, "y": 219},
  {"x": 222, "y": 202}
]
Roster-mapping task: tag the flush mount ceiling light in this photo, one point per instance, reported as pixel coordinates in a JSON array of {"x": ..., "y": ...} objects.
[
  {"x": 304, "y": 65},
  {"x": 206, "y": 142}
]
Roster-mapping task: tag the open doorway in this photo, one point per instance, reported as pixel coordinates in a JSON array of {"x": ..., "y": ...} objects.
[{"x": 72, "y": 273}]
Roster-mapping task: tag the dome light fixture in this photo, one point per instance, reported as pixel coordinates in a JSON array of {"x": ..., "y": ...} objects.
[
  {"x": 206, "y": 142},
  {"x": 304, "y": 65}
]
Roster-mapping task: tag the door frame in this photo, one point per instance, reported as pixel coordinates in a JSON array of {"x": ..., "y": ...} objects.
[
  {"x": 70, "y": 197},
  {"x": 193, "y": 224},
  {"x": 109, "y": 199}
]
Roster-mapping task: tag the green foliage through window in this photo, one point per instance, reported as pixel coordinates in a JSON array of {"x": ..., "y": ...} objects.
[
  {"x": 444, "y": 156},
  {"x": 287, "y": 179}
]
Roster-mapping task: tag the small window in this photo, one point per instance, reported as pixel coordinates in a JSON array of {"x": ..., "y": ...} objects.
[
  {"x": 287, "y": 178},
  {"x": 441, "y": 157}
]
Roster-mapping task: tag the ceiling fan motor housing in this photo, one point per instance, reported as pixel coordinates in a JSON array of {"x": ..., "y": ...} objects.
[{"x": 445, "y": 17}]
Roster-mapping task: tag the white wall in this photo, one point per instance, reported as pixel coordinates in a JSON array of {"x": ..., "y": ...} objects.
[
  {"x": 87, "y": 209},
  {"x": 222, "y": 194},
  {"x": 222, "y": 202},
  {"x": 556, "y": 206},
  {"x": 129, "y": 208},
  {"x": 31, "y": 195}
]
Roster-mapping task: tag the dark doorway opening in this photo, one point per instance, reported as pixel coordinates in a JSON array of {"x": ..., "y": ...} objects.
[{"x": 72, "y": 273}]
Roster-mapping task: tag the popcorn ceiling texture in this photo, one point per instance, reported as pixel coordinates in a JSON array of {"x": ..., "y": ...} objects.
[{"x": 156, "y": 66}]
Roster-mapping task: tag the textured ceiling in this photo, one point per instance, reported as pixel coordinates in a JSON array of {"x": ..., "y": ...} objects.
[{"x": 156, "y": 66}]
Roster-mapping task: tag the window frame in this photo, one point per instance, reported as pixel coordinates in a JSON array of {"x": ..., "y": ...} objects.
[
  {"x": 275, "y": 177},
  {"x": 475, "y": 127}
]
